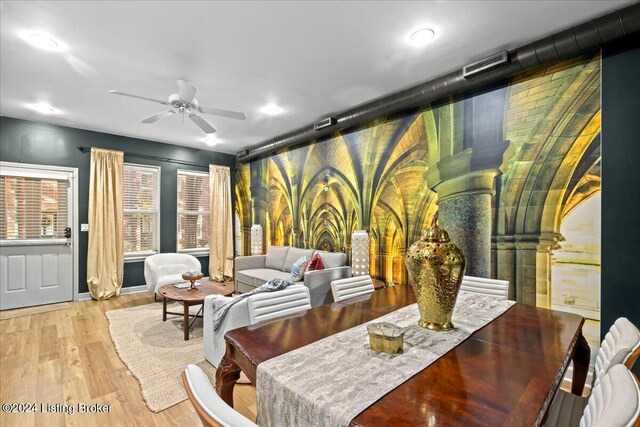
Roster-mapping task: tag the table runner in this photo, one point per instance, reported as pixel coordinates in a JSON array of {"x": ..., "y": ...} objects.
[{"x": 329, "y": 382}]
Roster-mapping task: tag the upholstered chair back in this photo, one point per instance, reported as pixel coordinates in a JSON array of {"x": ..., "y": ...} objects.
[
  {"x": 615, "y": 401},
  {"x": 618, "y": 346},
  {"x": 272, "y": 305},
  {"x": 479, "y": 285},
  {"x": 351, "y": 287}
]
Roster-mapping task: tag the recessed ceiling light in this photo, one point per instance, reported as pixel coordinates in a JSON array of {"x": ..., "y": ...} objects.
[
  {"x": 421, "y": 36},
  {"x": 42, "y": 41},
  {"x": 43, "y": 108},
  {"x": 272, "y": 109},
  {"x": 211, "y": 140}
]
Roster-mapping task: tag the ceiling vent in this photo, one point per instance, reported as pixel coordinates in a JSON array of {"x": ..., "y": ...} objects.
[
  {"x": 485, "y": 64},
  {"x": 329, "y": 121}
]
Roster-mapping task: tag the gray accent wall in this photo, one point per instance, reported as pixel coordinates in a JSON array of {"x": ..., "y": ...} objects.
[
  {"x": 38, "y": 143},
  {"x": 621, "y": 184}
]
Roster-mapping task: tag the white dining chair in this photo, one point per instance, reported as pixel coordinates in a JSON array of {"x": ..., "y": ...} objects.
[
  {"x": 351, "y": 287},
  {"x": 267, "y": 306},
  {"x": 614, "y": 402},
  {"x": 212, "y": 410},
  {"x": 620, "y": 345},
  {"x": 480, "y": 285}
]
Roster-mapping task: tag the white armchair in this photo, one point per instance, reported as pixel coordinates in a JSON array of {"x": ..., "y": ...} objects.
[
  {"x": 164, "y": 269},
  {"x": 253, "y": 309}
]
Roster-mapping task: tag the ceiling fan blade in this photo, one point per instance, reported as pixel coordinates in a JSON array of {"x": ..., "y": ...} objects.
[
  {"x": 223, "y": 113},
  {"x": 158, "y": 116},
  {"x": 186, "y": 91},
  {"x": 202, "y": 123},
  {"x": 117, "y": 92}
]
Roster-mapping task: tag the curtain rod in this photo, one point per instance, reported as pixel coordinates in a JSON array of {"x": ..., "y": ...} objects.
[{"x": 85, "y": 149}]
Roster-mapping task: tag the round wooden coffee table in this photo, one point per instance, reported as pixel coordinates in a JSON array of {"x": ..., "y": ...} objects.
[{"x": 188, "y": 298}]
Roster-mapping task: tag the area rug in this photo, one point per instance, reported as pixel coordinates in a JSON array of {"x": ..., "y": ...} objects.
[{"x": 155, "y": 351}]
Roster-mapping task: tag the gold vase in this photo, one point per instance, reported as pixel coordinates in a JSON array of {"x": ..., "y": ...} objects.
[{"x": 436, "y": 267}]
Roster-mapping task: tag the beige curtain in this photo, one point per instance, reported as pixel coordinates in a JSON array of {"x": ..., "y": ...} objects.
[
  {"x": 221, "y": 231},
  {"x": 105, "y": 257}
]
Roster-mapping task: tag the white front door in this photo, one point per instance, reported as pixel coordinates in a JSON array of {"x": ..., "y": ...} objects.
[{"x": 37, "y": 257}]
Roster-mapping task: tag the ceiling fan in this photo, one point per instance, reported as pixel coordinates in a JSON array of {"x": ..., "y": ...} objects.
[{"x": 184, "y": 102}]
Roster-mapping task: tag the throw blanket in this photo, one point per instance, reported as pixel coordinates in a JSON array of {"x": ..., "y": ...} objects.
[{"x": 220, "y": 311}]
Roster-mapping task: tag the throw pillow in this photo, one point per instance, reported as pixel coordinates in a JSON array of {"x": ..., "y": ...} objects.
[
  {"x": 298, "y": 268},
  {"x": 315, "y": 263}
]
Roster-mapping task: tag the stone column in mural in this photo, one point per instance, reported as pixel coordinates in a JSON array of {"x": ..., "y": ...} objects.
[
  {"x": 464, "y": 205},
  {"x": 470, "y": 153},
  {"x": 467, "y": 218},
  {"x": 505, "y": 262},
  {"x": 259, "y": 192}
]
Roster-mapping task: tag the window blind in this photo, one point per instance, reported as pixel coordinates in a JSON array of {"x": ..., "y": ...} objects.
[
  {"x": 33, "y": 208},
  {"x": 193, "y": 210},
  {"x": 141, "y": 209}
]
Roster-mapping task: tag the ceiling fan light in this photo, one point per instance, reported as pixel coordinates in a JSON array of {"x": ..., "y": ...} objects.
[
  {"x": 42, "y": 41},
  {"x": 211, "y": 140},
  {"x": 421, "y": 37},
  {"x": 42, "y": 108},
  {"x": 272, "y": 109}
]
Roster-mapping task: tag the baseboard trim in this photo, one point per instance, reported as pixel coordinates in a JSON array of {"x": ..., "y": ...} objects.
[{"x": 124, "y": 291}]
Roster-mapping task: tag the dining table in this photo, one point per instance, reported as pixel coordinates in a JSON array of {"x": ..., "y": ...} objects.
[{"x": 505, "y": 373}]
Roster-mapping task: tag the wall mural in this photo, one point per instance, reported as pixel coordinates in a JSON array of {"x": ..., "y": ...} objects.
[{"x": 503, "y": 167}]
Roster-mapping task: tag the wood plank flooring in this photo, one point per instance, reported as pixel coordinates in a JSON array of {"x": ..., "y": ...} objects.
[{"x": 66, "y": 357}]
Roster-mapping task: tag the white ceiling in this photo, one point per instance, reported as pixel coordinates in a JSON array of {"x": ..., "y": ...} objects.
[{"x": 311, "y": 58}]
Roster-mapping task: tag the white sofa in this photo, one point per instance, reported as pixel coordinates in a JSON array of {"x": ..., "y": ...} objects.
[
  {"x": 164, "y": 269},
  {"x": 253, "y": 271},
  {"x": 291, "y": 300}
]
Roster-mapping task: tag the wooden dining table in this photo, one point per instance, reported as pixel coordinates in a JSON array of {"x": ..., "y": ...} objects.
[{"x": 505, "y": 373}]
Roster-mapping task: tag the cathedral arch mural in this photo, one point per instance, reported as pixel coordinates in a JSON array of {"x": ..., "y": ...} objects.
[{"x": 512, "y": 161}]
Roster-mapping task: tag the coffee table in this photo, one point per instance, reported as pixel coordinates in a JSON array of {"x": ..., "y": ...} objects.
[{"x": 188, "y": 298}]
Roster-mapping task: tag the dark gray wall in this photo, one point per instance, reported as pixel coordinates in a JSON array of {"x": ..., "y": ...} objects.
[
  {"x": 621, "y": 183},
  {"x": 39, "y": 143}
]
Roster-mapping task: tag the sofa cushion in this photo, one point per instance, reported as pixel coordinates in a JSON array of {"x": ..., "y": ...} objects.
[
  {"x": 332, "y": 259},
  {"x": 259, "y": 276},
  {"x": 294, "y": 255},
  {"x": 276, "y": 257}
]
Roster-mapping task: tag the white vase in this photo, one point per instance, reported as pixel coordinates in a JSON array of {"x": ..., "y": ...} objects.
[
  {"x": 360, "y": 253},
  {"x": 256, "y": 239}
]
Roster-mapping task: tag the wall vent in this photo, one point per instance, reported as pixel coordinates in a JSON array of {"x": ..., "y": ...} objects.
[
  {"x": 485, "y": 64},
  {"x": 324, "y": 123}
]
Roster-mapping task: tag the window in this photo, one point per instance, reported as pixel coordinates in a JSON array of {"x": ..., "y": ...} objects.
[
  {"x": 33, "y": 208},
  {"x": 141, "y": 211},
  {"x": 193, "y": 211}
]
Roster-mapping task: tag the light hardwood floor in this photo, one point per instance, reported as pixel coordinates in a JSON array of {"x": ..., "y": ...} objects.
[{"x": 67, "y": 357}]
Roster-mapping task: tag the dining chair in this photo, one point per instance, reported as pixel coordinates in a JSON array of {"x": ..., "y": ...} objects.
[
  {"x": 620, "y": 345},
  {"x": 351, "y": 287},
  {"x": 480, "y": 285},
  {"x": 614, "y": 401},
  {"x": 212, "y": 410},
  {"x": 267, "y": 306}
]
